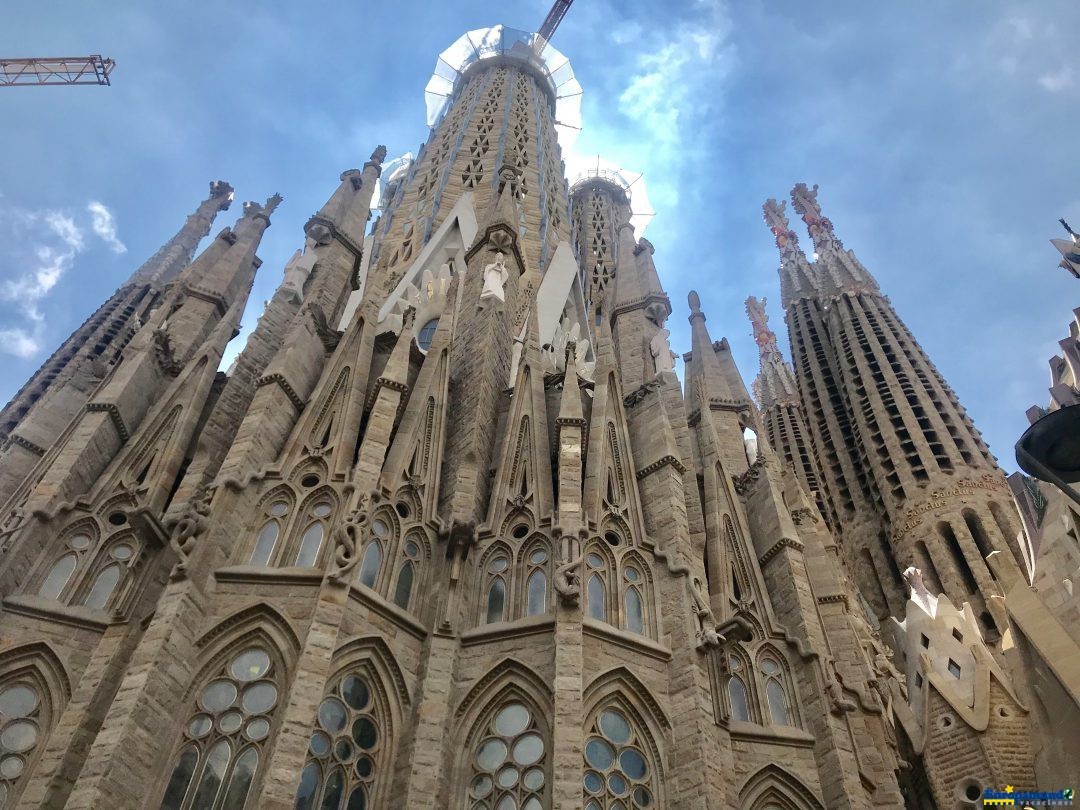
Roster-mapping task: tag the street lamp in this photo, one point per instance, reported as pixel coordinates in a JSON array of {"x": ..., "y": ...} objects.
[{"x": 1050, "y": 449}]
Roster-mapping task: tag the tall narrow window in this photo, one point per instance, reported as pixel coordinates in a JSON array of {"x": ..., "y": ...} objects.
[
  {"x": 595, "y": 589},
  {"x": 635, "y": 609},
  {"x": 22, "y": 726},
  {"x": 58, "y": 577},
  {"x": 775, "y": 694},
  {"x": 536, "y": 597},
  {"x": 618, "y": 772},
  {"x": 404, "y": 585},
  {"x": 264, "y": 543},
  {"x": 103, "y": 587},
  {"x": 345, "y": 749},
  {"x": 497, "y": 570},
  {"x": 370, "y": 564},
  {"x": 310, "y": 543},
  {"x": 509, "y": 762},
  {"x": 737, "y": 695},
  {"x": 222, "y": 749}
]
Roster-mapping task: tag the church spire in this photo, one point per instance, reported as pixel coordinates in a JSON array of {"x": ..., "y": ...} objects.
[
  {"x": 176, "y": 254},
  {"x": 838, "y": 270},
  {"x": 796, "y": 274},
  {"x": 776, "y": 379}
]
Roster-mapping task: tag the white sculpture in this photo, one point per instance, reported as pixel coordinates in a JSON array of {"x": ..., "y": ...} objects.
[
  {"x": 661, "y": 351},
  {"x": 495, "y": 276}
]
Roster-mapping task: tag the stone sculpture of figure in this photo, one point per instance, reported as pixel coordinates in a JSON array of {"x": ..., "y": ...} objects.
[
  {"x": 185, "y": 530},
  {"x": 835, "y": 688},
  {"x": 706, "y": 635},
  {"x": 495, "y": 276},
  {"x": 661, "y": 351}
]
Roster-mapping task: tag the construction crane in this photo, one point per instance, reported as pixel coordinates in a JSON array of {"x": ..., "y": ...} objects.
[
  {"x": 551, "y": 22},
  {"x": 55, "y": 70}
]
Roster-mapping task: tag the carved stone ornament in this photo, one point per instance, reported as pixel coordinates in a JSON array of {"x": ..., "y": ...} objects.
[
  {"x": 319, "y": 234},
  {"x": 835, "y": 689},
  {"x": 568, "y": 581},
  {"x": 348, "y": 536},
  {"x": 163, "y": 353},
  {"x": 660, "y": 349},
  {"x": 185, "y": 530},
  {"x": 707, "y": 636},
  {"x": 327, "y": 335}
]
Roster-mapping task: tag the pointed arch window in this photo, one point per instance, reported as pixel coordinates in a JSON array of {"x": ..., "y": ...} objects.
[
  {"x": 23, "y": 724},
  {"x": 596, "y": 587},
  {"x": 266, "y": 540},
  {"x": 103, "y": 587},
  {"x": 58, "y": 577},
  {"x": 311, "y": 541},
  {"x": 407, "y": 574},
  {"x": 738, "y": 696},
  {"x": 509, "y": 762},
  {"x": 497, "y": 570},
  {"x": 536, "y": 583},
  {"x": 618, "y": 769},
  {"x": 345, "y": 750},
  {"x": 224, "y": 736},
  {"x": 370, "y": 564},
  {"x": 775, "y": 692},
  {"x": 633, "y": 604}
]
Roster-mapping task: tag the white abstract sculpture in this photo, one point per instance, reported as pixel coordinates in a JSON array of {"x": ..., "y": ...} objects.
[{"x": 661, "y": 351}]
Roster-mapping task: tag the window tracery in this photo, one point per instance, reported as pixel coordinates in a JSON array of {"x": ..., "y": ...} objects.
[
  {"x": 267, "y": 537},
  {"x": 775, "y": 692},
  {"x": 508, "y": 761},
  {"x": 89, "y": 576},
  {"x": 224, "y": 737},
  {"x": 619, "y": 772},
  {"x": 738, "y": 694},
  {"x": 345, "y": 750},
  {"x": 24, "y": 719}
]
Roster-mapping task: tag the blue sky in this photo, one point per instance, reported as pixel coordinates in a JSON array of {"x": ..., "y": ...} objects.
[{"x": 942, "y": 135}]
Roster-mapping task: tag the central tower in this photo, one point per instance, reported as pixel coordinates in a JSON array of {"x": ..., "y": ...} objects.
[{"x": 498, "y": 97}]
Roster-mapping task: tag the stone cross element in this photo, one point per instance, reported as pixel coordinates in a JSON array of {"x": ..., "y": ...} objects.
[{"x": 495, "y": 276}]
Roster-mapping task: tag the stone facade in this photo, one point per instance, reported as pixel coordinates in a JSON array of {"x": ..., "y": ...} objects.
[{"x": 451, "y": 534}]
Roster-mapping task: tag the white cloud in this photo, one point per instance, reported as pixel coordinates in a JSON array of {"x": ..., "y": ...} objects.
[
  {"x": 683, "y": 72},
  {"x": 64, "y": 227},
  {"x": 1056, "y": 81},
  {"x": 104, "y": 225},
  {"x": 19, "y": 343}
]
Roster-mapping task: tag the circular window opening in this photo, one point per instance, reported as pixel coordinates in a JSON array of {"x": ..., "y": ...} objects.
[
  {"x": 310, "y": 480},
  {"x": 946, "y": 721},
  {"x": 427, "y": 334},
  {"x": 519, "y": 531},
  {"x": 1003, "y": 712},
  {"x": 612, "y": 538},
  {"x": 117, "y": 518},
  {"x": 403, "y": 509},
  {"x": 971, "y": 789}
]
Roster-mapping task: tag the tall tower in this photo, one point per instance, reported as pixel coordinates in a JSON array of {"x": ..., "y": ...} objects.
[
  {"x": 911, "y": 461},
  {"x": 43, "y": 408},
  {"x": 777, "y": 396}
]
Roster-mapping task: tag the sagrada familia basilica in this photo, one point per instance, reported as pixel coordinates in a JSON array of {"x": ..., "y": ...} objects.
[{"x": 451, "y": 533}]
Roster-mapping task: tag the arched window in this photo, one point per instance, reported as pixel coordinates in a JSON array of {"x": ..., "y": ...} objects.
[
  {"x": 312, "y": 539},
  {"x": 224, "y": 736},
  {"x": 344, "y": 751},
  {"x": 596, "y": 587},
  {"x": 618, "y": 771},
  {"x": 738, "y": 697},
  {"x": 370, "y": 564},
  {"x": 58, "y": 577},
  {"x": 497, "y": 570},
  {"x": 536, "y": 583},
  {"x": 509, "y": 761},
  {"x": 775, "y": 693},
  {"x": 113, "y": 566},
  {"x": 266, "y": 539},
  {"x": 633, "y": 604},
  {"x": 407, "y": 574},
  {"x": 22, "y": 726}
]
